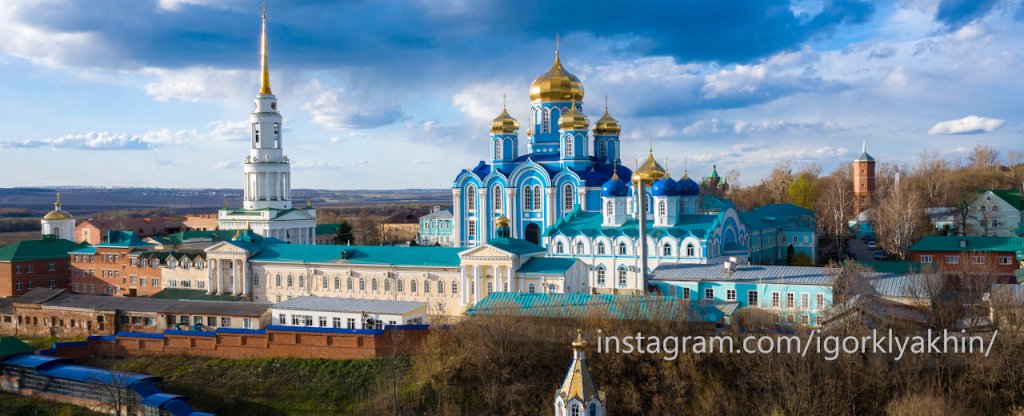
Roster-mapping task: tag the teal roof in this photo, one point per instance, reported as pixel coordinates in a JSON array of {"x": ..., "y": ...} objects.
[
  {"x": 276, "y": 212},
  {"x": 515, "y": 245},
  {"x": 892, "y": 266},
  {"x": 189, "y": 236},
  {"x": 973, "y": 243},
  {"x": 126, "y": 239},
  {"x": 547, "y": 265},
  {"x": 48, "y": 247},
  {"x": 327, "y": 229},
  {"x": 385, "y": 255},
  {"x": 787, "y": 216},
  {"x": 579, "y": 305},
  {"x": 1011, "y": 196},
  {"x": 590, "y": 224},
  {"x": 13, "y": 346}
]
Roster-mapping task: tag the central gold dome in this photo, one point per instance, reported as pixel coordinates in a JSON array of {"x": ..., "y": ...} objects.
[
  {"x": 58, "y": 215},
  {"x": 556, "y": 85},
  {"x": 650, "y": 171}
]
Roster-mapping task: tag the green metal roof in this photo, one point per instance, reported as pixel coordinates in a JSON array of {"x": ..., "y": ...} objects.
[
  {"x": 973, "y": 243},
  {"x": 48, "y": 247},
  {"x": 12, "y": 346},
  {"x": 578, "y": 305},
  {"x": 327, "y": 229},
  {"x": 384, "y": 255},
  {"x": 1011, "y": 196},
  {"x": 892, "y": 266},
  {"x": 123, "y": 239},
  {"x": 515, "y": 245},
  {"x": 186, "y": 236},
  {"x": 547, "y": 265}
]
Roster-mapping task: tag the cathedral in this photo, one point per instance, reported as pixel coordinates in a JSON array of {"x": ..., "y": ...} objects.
[
  {"x": 563, "y": 168},
  {"x": 267, "y": 207}
]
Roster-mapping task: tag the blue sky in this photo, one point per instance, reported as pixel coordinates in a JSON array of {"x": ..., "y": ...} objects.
[{"x": 400, "y": 94}]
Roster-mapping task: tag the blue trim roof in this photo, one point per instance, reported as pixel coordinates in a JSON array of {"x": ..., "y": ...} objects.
[
  {"x": 578, "y": 305},
  {"x": 324, "y": 330},
  {"x": 547, "y": 265}
]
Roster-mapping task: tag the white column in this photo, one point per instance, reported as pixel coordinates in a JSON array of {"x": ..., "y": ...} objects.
[
  {"x": 549, "y": 218},
  {"x": 484, "y": 214},
  {"x": 246, "y": 282},
  {"x": 581, "y": 196},
  {"x": 463, "y": 286},
  {"x": 476, "y": 284},
  {"x": 509, "y": 280},
  {"x": 510, "y": 211},
  {"x": 457, "y": 217},
  {"x": 220, "y": 276},
  {"x": 210, "y": 289}
]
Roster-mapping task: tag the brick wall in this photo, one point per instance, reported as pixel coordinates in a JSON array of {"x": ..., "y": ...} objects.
[
  {"x": 108, "y": 263},
  {"x": 39, "y": 276},
  {"x": 66, "y": 323},
  {"x": 271, "y": 343}
]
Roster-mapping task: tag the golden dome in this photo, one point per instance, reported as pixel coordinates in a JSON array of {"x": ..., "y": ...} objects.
[
  {"x": 504, "y": 123},
  {"x": 502, "y": 221},
  {"x": 573, "y": 119},
  {"x": 606, "y": 125},
  {"x": 650, "y": 171},
  {"x": 58, "y": 215},
  {"x": 579, "y": 344},
  {"x": 556, "y": 85}
]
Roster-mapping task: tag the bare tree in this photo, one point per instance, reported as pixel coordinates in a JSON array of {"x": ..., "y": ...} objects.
[
  {"x": 118, "y": 398},
  {"x": 835, "y": 207},
  {"x": 777, "y": 182},
  {"x": 899, "y": 219},
  {"x": 983, "y": 157},
  {"x": 931, "y": 175}
]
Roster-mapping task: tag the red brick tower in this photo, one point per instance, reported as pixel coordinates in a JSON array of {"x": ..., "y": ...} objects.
[{"x": 863, "y": 180}]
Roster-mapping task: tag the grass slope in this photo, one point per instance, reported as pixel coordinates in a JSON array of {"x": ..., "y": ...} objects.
[
  {"x": 15, "y": 405},
  {"x": 262, "y": 386}
]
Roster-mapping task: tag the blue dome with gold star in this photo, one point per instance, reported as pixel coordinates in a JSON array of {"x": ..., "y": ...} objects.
[
  {"x": 665, "y": 187},
  {"x": 615, "y": 187}
]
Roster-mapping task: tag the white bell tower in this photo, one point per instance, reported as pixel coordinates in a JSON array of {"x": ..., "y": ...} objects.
[{"x": 58, "y": 223}]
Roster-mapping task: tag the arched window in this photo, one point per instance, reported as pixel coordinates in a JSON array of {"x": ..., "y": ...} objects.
[
  {"x": 362, "y": 284},
  {"x": 426, "y": 286},
  {"x": 455, "y": 287},
  {"x": 470, "y": 198},
  {"x": 400, "y": 286},
  {"x": 689, "y": 250},
  {"x": 290, "y": 281},
  {"x": 622, "y": 248},
  {"x": 440, "y": 287},
  {"x": 302, "y": 281},
  {"x": 412, "y": 286},
  {"x": 666, "y": 250},
  {"x": 576, "y": 411},
  {"x": 662, "y": 209},
  {"x": 559, "y": 248},
  {"x": 497, "y": 198},
  {"x": 600, "y": 248},
  {"x": 601, "y": 149},
  {"x": 600, "y": 276},
  {"x": 622, "y": 276},
  {"x": 373, "y": 284},
  {"x": 536, "y": 197},
  {"x": 609, "y": 208},
  {"x": 472, "y": 288},
  {"x": 568, "y": 146},
  {"x": 348, "y": 283},
  {"x": 387, "y": 284},
  {"x": 593, "y": 409},
  {"x": 532, "y": 288},
  {"x": 579, "y": 247},
  {"x": 545, "y": 120},
  {"x": 490, "y": 287},
  {"x": 277, "y": 280},
  {"x": 497, "y": 149},
  {"x": 324, "y": 285},
  {"x": 528, "y": 198},
  {"x": 337, "y": 283},
  {"x": 567, "y": 197}
]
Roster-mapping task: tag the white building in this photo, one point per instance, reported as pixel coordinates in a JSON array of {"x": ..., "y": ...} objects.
[
  {"x": 995, "y": 212},
  {"x": 58, "y": 223},
  {"x": 267, "y": 206},
  {"x": 321, "y": 312}
]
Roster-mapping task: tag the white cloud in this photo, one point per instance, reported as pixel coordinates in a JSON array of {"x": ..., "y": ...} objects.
[
  {"x": 314, "y": 164},
  {"x": 482, "y": 102},
  {"x": 338, "y": 108},
  {"x": 222, "y": 130},
  {"x": 897, "y": 77},
  {"x": 105, "y": 140},
  {"x": 967, "y": 125},
  {"x": 44, "y": 47},
  {"x": 198, "y": 84}
]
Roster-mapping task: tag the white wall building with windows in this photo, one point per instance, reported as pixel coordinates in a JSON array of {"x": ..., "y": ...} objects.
[{"x": 348, "y": 313}]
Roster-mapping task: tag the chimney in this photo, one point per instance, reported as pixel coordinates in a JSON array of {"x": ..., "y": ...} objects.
[{"x": 437, "y": 208}]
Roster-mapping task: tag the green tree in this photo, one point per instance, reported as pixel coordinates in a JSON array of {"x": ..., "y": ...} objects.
[
  {"x": 804, "y": 190},
  {"x": 345, "y": 234}
]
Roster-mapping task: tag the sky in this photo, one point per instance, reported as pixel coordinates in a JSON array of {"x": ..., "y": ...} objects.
[{"x": 390, "y": 95}]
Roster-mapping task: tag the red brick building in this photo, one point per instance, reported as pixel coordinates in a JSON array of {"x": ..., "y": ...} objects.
[
  {"x": 35, "y": 263},
  {"x": 95, "y": 231},
  {"x": 113, "y": 267},
  {"x": 972, "y": 254}
]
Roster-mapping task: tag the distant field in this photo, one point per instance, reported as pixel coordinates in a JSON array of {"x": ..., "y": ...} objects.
[
  {"x": 8, "y": 238},
  {"x": 24, "y": 203}
]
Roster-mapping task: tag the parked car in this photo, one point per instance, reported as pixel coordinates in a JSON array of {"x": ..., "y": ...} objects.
[
  {"x": 879, "y": 255},
  {"x": 872, "y": 245}
]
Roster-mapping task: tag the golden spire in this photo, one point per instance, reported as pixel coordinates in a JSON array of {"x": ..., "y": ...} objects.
[
  {"x": 615, "y": 170},
  {"x": 57, "y": 204},
  {"x": 579, "y": 344},
  {"x": 686, "y": 169},
  {"x": 264, "y": 68}
]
